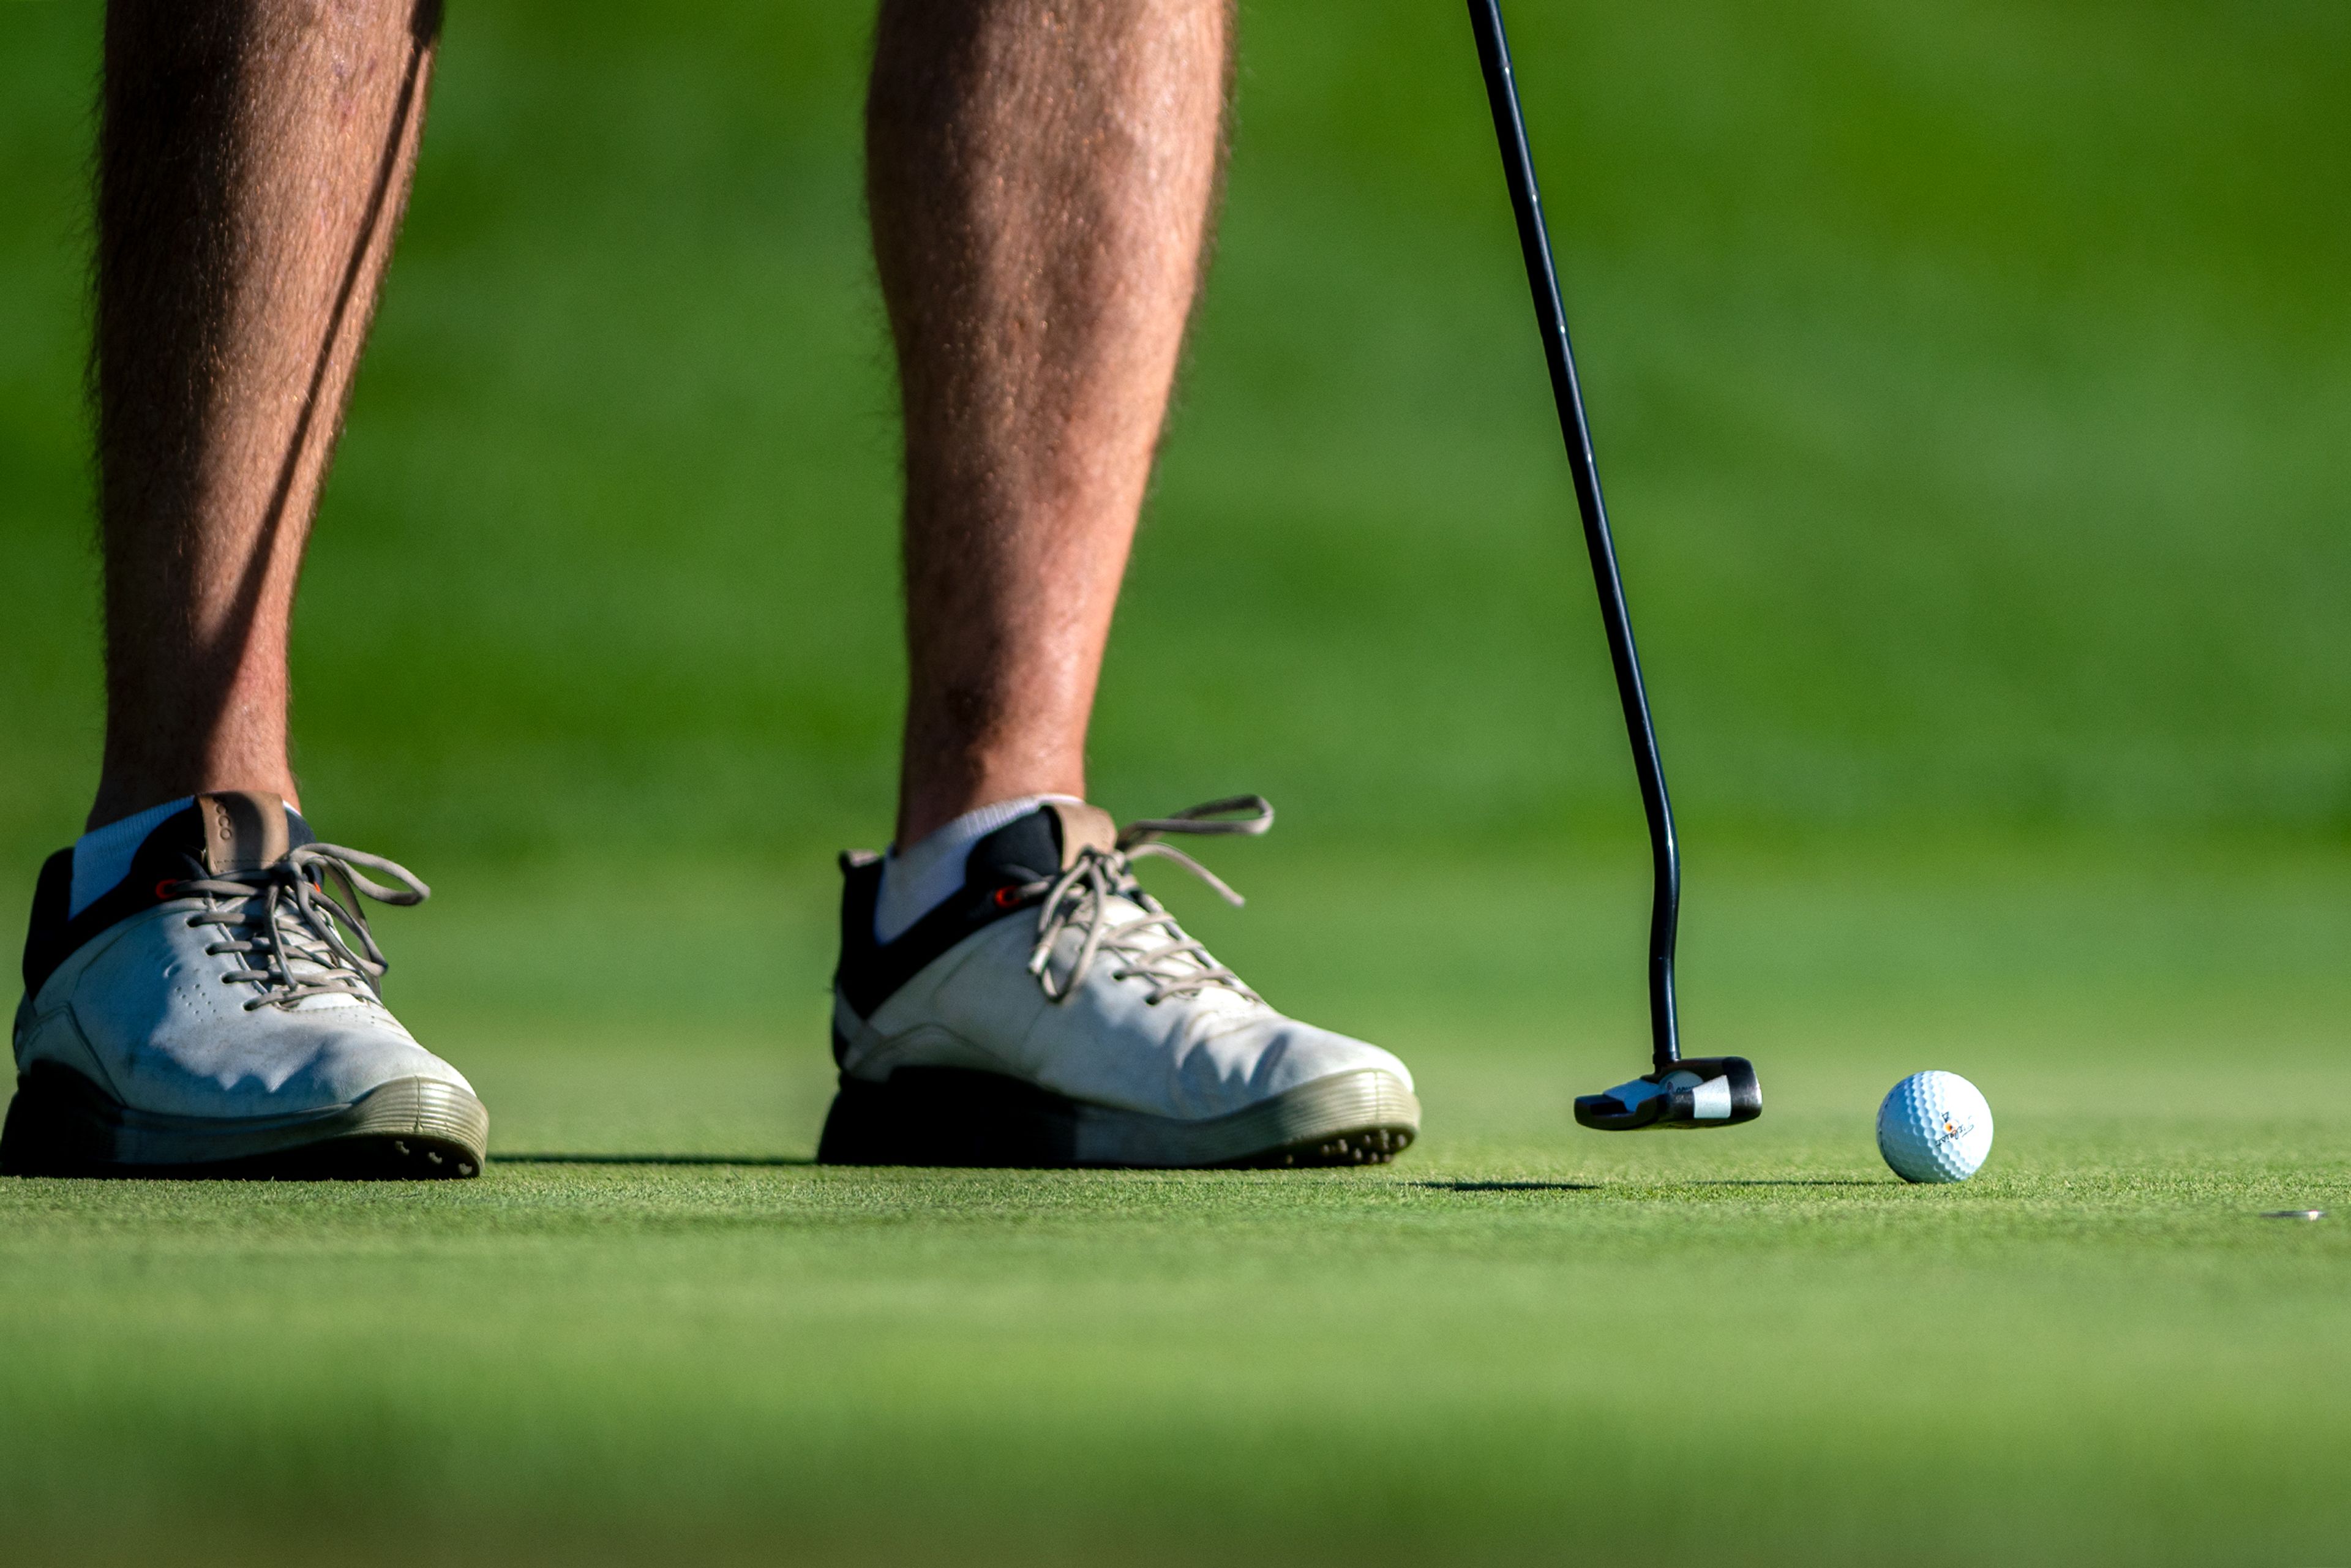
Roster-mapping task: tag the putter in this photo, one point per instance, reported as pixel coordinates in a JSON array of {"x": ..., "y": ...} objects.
[{"x": 1677, "y": 1091}]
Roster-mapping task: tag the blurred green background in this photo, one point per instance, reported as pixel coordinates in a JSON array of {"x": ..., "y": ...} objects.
[{"x": 1971, "y": 381}]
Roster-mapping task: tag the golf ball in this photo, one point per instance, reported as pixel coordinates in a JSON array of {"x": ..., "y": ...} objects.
[{"x": 1933, "y": 1126}]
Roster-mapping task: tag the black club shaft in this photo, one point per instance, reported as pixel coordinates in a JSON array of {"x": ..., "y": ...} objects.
[{"x": 1542, "y": 279}]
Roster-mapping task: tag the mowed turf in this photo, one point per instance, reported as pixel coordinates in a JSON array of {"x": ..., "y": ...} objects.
[
  {"x": 652, "y": 1330},
  {"x": 1969, "y": 381}
]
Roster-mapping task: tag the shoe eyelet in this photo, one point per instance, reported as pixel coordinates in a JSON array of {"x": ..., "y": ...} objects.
[
  {"x": 1005, "y": 897},
  {"x": 163, "y": 888}
]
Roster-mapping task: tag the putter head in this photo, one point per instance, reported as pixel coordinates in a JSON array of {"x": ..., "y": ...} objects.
[{"x": 1695, "y": 1092}]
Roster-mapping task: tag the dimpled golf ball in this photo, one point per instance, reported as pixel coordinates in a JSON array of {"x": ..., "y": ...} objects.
[{"x": 1934, "y": 1127}]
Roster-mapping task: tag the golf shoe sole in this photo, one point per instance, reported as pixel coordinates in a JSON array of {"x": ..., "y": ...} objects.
[
  {"x": 61, "y": 1124},
  {"x": 956, "y": 1116}
]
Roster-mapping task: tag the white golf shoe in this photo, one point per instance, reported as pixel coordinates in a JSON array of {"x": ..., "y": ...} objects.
[
  {"x": 216, "y": 1012},
  {"x": 1053, "y": 1013}
]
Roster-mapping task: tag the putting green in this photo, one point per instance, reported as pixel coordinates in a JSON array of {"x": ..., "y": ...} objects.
[{"x": 1522, "y": 1342}]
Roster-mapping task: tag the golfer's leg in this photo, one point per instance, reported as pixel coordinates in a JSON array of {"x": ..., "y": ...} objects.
[
  {"x": 1040, "y": 173},
  {"x": 1041, "y": 177},
  {"x": 252, "y": 159},
  {"x": 252, "y": 162}
]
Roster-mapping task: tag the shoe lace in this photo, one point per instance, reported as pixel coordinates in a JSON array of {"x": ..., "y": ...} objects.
[
  {"x": 1153, "y": 946},
  {"x": 282, "y": 914}
]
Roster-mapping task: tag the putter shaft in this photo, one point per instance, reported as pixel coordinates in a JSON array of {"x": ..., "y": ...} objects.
[{"x": 1542, "y": 279}]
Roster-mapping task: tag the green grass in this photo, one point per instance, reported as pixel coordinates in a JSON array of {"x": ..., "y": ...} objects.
[
  {"x": 749, "y": 1363},
  {"x": 1969, "y": 379},
  {"x": 1522, "y": 1343}
]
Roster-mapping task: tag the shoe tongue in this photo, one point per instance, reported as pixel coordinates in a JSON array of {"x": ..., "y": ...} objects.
[
  {"x": 1041, "y": 845},
  {"x": 244, "y": 831},
  {"x": 1081, "y": 827}
]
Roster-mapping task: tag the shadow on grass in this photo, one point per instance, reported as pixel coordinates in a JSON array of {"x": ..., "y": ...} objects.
[
  {"x": 1601, "y": 1187},
  {"x": 650, "y": 1160},
  {"x": 1784, "y": 1181}
]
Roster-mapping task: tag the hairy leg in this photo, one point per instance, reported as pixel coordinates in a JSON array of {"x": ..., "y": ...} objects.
[
  {"x": 252, "y": 159},
  {"x": 1040, "y": 174}
]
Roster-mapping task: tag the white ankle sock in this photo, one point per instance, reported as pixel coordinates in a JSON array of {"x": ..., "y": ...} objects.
[
  {"x": 102, "y": 855},
  {"x": 920, "y": 877}
]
